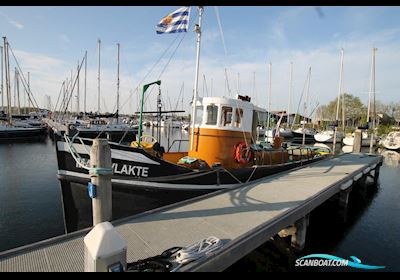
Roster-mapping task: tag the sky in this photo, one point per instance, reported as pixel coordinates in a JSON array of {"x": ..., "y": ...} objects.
[{"x": 48, "y": 42}]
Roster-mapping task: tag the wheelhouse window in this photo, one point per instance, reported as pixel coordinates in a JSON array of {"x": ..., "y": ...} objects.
[
  {"x": 238, "y": 117},
  {"x": 212, "y": 114},
  {"x": 199, "y": 115},
  {"x": 226, "y": 116}
]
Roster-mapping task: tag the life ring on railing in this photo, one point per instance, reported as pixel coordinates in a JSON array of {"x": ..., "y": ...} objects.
[{"x": 241, "y": 148}]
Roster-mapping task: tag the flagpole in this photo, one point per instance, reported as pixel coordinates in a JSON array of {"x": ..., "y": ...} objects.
[{"x": 196, "y": 80}]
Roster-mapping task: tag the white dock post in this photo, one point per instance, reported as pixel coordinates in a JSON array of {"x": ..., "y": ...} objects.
[
  {"x": 357, "y": 141},
  {"x": 299, "y": 237},
  {"x": 100, "y": 174}
]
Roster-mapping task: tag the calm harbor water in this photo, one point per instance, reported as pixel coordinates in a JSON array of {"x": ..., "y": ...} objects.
[{"x": 30, "y": 211}]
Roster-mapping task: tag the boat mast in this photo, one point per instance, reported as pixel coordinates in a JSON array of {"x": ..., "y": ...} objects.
[
  {"x": 84, "y": 97},
  {"x": 290, "y": 93},
  {"x": 269, "y": 99},
  {"x": 17, "y": 90},
  {"x": 2, "y": 86},
  {"x": 77, "y": 92},
  {"x": 305, "y": 106},
  {"x": 29, "y": 90},
  {"x": 338, "y": 99},
  {"x": 98, "y": 79},
  {"x": 118, "y": 48},
  {"x": 7, "y": 74},
  {"x": 370, "y": 87},
  {"x": 371, "y": 144},
  {"x": 196, "y": 80}
]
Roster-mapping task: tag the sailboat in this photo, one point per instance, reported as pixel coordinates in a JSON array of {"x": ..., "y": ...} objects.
[
  {"x": 334, "y": 136},
  {"x": 14, "y": 129},
  {"x": 222, "y": 154},
  {"x": 367, "y": 140},
  {"x": 98, "y": 126}
]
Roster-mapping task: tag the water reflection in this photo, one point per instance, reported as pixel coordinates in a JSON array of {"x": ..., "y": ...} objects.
[{"x": 392, "y": 158}]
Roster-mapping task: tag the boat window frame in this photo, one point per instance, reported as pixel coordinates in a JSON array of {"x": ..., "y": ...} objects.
[
  {"x": 225, "y": 114},
  {"x": 199, "y": 115},
  {"x": 214, "y": 121},
  {"x": 238, "y": 122}
]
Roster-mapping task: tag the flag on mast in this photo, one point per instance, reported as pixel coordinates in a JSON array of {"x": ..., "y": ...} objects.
[{"x": 177, "y": 21}]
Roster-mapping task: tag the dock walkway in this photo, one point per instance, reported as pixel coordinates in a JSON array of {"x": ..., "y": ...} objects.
[{"x": 245, "y": 218}]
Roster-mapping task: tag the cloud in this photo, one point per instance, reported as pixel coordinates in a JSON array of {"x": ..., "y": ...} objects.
[
  {"x": 13, "y": 22},
  {"x": 16, "y": 24}
]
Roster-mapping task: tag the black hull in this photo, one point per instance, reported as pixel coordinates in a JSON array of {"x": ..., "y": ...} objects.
[
  {"x": 298, "y": 138},
  {"x": 22, "y": 134},
  {"x": 166, "y": 184}
]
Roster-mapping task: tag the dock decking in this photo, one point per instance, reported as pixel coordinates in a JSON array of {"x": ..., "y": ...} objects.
[{"x": 245, "y": 218}]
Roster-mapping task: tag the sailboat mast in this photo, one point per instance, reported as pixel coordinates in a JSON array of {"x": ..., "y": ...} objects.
[
  {"x": 2, "y": 81},
  {"x": 269, "y": 97},
  {"x": 7, "y": 74},
  {"x": 373, "y": 91},
  {"x": 17, "y": 89},
  {"x": 305, "y": 106},
  {"x": 196, "y": 79},
  {"x": 84, "y": 97},
  {"x": 29, "y": 90},
  {"x": 77, "y": 92},
  {"x": 290, "y": 93},
  {"x": 370, "y": 86},
  {"x": 98, "y": 78},
  {"x": 118, "y": 49},
  {"x": 340, "y": 85}
]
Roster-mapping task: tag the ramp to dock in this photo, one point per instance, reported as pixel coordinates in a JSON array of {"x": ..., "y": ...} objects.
[{"x": 244, "y": 217}]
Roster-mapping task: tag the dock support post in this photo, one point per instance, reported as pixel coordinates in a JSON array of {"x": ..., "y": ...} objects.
[
  {"x": 299, "y": 237},
  {"x": 100, "y": 174},
  {"x": 357, "y": 141}
]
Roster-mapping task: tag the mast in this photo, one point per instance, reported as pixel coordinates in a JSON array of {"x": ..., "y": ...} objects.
[
  {"x": 196, "y": 79},
  {"x": 17, "y": 90},
  {"x": 118, "y": 48},
  {"x": 84, "y": 97},
  {"x": 371, "y": 144},
  {"x": 7, "y": 74},
  {"x": 2, "y": 81},
  {"x": 29, "y": 90},
  {"x": 290, "y": 93},
  {"x": 340, "y": 90},
  {"x": 98, "y": 79},
  {"x": 77, "y": 92},
  {"x": 370, "y": 86},
  {"x": 305, "y": 106},
  {"x": 269, "y": 98}
]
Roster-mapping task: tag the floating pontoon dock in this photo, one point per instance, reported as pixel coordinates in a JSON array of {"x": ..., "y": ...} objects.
[{"x": 244, "y": 217}]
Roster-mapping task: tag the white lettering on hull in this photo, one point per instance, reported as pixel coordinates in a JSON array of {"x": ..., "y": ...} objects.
[{"x": 130, "y": 170}]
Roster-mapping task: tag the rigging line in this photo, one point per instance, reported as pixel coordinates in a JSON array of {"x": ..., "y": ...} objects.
[
  {"x": 224, "y": 45},
  {"x": 59, "y": 95},
  {"x": 166, "y": 65},
  {"x": 23, "y": 80},
  {"x": 154, "y": 65},
  {"x": 301, "y": 98},
  {"x": 73, "y": 86}
]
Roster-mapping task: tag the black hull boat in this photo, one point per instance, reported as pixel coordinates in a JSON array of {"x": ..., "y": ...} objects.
[
  {"x": 298, "y": 138},
  {"x": 11, "y": 133},
  {"x": 142, "y": 182}
]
